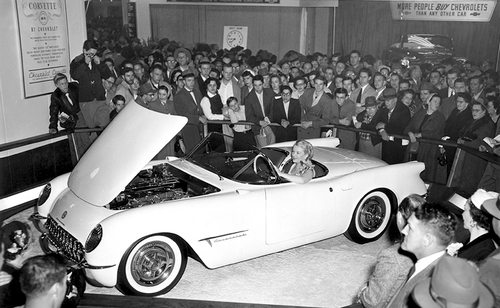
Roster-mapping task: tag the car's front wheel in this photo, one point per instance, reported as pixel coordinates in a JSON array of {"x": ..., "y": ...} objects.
[
  {"x": 152, "y": 266},
  {"x": 371, "y": 217}
]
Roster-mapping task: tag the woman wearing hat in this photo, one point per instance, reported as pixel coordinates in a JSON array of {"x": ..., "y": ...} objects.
[
  {"x": 472, "y": 167},
  {"x": 428, "y": 123},
  {"x": 478, "y": 223}
]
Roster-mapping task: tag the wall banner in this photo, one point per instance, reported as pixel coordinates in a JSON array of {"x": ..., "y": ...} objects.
[
  {"x": 43, "y": 33},
  {"x": 451, "y": 10},
  {"x": 235, "y": 36}
]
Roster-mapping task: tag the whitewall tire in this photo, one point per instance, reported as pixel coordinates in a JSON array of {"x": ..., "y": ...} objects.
[
  {"x": 370, "y": 218},
  {"x": 152, "y": 266}
]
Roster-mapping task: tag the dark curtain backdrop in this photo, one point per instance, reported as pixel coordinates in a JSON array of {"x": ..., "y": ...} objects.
[{"x": 368, "y": 26}]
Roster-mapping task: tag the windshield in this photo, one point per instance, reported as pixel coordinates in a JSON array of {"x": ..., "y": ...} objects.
[
  {"x": 210, "y": 155},
  {"x": 427, "y": 41}
]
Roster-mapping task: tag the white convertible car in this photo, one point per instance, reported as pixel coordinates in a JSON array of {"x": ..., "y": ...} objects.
[{"x": 132, "y": 222}]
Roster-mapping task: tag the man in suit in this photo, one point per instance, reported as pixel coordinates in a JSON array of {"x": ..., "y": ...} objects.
[
  {"x": 489, "y": 269},
  {"x": 476, "y": 86},
  {"x": 286, "y": 112},
  {"x": 395, "y": 117},
  {"x": 88, "y": 70},
  {"x": 318, "y": 109},
  {"x": 247, "y": 77},
  {"x": 363, "y": 91},
  {"x": 204, "y": 69},
  {"x": 258, "y": 104},
  {"x": 229, "y": 85},
  {"x": 330, "y": 79},
  {"x": 449, "y": 91},
  {"x": 64, "y": 107},
  {"x": 427, "y": 234},
  {"x": 346, "y": 110},
  {"x": 187, "y": 103},
  {"x": 450, "y": 103}
]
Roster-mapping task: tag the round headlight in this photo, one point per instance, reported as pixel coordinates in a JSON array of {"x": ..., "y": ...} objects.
[
  {"x": 44, "y": 195},
  {"x": 94, "y": 238}
]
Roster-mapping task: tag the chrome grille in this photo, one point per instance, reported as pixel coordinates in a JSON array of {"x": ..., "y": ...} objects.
[{"x": 66, "y": 244}]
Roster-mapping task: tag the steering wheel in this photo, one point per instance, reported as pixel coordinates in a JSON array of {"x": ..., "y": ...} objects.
[{"x": 268, "y": 175}]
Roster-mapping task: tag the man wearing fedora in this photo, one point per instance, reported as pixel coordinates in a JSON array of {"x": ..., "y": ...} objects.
[
  {"x": 489, "y": 269},
  {"x": 427, "y": 234},
  {"x": 394, "y": 119},
  {"x": 454, "y": 283}
]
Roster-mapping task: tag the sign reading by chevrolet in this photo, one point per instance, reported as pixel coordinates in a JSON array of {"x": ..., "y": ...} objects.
[{"x": 451, "y": 10}]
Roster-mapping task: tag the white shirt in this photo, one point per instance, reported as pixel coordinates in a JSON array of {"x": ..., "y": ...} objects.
[
  {"x": 192, "y": 95},
  {"x": 225, "y": 91},
  {"x": 426, "y": 261},
  {"x": 451, "y": 92},
  {"x": 260, "y": 96},
  {"x": 207, "y": 111},
  {"x": 379, "y": 92},
  {"x": 286, "y": 105}
]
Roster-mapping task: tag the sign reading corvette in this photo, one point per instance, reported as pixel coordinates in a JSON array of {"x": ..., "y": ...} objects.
[
  {"x": 451, "y": 10},
  {"x": 43, "y": 32}
]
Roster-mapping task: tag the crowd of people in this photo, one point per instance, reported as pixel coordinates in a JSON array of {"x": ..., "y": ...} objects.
[{"x": 263, "y": 100}]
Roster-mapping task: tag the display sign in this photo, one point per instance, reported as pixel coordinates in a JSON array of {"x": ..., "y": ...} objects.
[
  {"x": 131, "y": 19},
  {"x": 43, "y": 32},
  {"x": 235, "y": 36},
  {"x": 451, "y": 10},
  {"x": 228, "y": 1}
]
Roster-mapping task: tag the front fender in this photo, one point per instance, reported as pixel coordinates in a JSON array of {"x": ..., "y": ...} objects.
[{"x": 58, "y": 185}]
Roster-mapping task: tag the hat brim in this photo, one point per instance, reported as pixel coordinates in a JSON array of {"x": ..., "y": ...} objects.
[
  {"x": 184, "y": 50},
  {"x": 486, "y": 298},
  {"x": 422, "y": 294},
  {"x": 491, "y": 207}
]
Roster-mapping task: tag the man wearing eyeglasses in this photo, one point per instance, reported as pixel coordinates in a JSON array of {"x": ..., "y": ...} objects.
[
  {"x": 88, "y": 70},
  {"x": 285, "y": 111}
]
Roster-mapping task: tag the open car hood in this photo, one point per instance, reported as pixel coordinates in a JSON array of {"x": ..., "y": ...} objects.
[{"x": 129, "y": 142}]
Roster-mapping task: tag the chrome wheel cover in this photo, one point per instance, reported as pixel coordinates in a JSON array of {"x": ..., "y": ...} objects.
[
  {"x": 372, "y": 214},
  {"x": 152, "y": 264}
]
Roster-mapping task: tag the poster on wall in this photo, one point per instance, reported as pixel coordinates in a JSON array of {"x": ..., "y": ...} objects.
[
  {"x": 451, "y": 10},
  {"x": 43, "y": 33},
  {"x": 235, "y": 36}
]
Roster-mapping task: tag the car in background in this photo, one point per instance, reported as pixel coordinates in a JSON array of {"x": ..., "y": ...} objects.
[
  {"x": 132, "y": 222},
  {"x": 419, "y": 49}
]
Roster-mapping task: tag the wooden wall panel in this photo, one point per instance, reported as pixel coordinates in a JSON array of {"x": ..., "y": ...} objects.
[{"x": 272, "y": 28}]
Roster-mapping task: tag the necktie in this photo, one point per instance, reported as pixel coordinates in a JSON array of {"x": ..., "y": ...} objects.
[
  {"x": 194, "y": 98},
  {"x": 69, "y": 99},
  {"x": 358, "y": 99}
]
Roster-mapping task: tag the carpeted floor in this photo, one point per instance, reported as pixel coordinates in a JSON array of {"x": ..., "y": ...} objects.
[{"x": 323, "y": 274}]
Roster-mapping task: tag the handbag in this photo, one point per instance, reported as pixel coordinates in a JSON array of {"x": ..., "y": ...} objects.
[
  {"x": 265, "y": 137},
  {"x": 413, "y": 148}
]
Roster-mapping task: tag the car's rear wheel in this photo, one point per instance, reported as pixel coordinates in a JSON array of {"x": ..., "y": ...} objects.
[
  {"x": 371, "y": 217},
  {"x": 152, "y": 266}
]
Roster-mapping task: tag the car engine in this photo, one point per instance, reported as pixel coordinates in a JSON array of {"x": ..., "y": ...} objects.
[{"x": 159, "y": 184}]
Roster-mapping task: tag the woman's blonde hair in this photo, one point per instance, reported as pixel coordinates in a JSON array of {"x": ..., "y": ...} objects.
[{"x": 307, "y": 147}]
